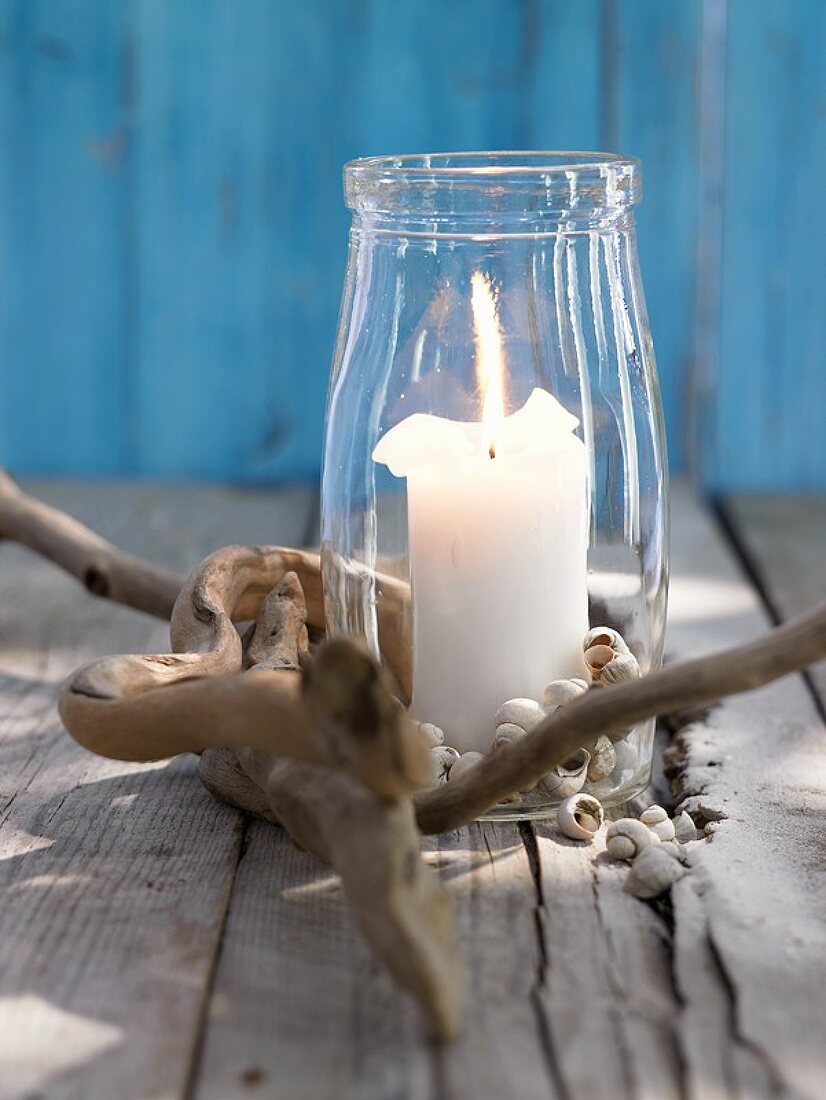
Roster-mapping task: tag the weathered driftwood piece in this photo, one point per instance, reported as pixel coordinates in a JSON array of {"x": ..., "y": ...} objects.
[
  {"x": 106, "y": 571},
  {"x": 203, "y": 709},
  {"x": 99, "y": 566},
  {"x": 279, "y": 637},
  {"x": 231, "y": 584},
  {"x": 372, "y": 842},
  {"x": 150, "y": 707},
  {"x": 100, "y": 708},
  {"x": 521, "y": 764},
  {"x": 186, "y": 716}
]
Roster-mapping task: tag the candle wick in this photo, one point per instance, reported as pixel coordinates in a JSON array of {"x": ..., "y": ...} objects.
[{"x": 492, "y": 451}]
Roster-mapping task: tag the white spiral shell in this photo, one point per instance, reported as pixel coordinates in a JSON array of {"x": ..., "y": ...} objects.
[
  {"x": 605, "y": 635},
  {"x": 466, "y": 762},
  {"x": 559, "y": 692},
  {"x": 603, "y": 760},
  {"x": 434, "y": 735},
  {"x": 654, "y": 871},
  {"x": 525, "y": 713},
  {"x": 684, "y": 828},
  {"x": 580, "y": 816},
  {"x": 628, "y": 837},
  {"x": 658, "y": 821},
  {"x": 567, "y": 778}
]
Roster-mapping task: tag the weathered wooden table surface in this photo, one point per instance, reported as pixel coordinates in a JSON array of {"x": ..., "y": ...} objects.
[{"x": 155, "y": 944}]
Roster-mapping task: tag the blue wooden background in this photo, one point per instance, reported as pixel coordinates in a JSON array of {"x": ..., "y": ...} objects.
[{"x": 172, "y": 232}]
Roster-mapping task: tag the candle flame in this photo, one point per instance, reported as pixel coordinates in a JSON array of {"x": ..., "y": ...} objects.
[{"x": 489, "y": 355}]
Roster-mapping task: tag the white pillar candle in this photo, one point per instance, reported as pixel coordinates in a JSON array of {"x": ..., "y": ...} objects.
[{"x": 497, "y": 527}]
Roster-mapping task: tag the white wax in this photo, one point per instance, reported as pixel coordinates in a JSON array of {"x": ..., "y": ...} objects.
[{"x": 498, "y": 560}]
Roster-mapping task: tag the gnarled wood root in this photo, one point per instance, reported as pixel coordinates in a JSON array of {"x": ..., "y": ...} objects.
[
  {"x": 374, "y": 845},
  {"x": 372, "y": 842},
  {"x": 150, "y": 707},
  {"x": 203, "y": 705},
  {"x": 99, "y": 566}
]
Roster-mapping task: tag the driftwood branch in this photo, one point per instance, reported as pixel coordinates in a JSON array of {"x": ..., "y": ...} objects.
[
  {"x": 99, "y": 566},
  {"x": 149, "y": 707},
  {"x": 239, "y": 709},
  {"x": 521, "y": 764},
  {"x": 106, "y": 571},
  {"x": 372, "y": 842}
]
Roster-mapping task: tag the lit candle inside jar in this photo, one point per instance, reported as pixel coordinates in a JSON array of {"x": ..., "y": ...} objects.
[{"x": 497, "y": 528}]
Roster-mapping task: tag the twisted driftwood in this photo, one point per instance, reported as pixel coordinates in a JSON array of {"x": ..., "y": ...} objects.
[
  {"x": 150, "y": 707},
  {"x": 254, "y": 710},
  {"x": 97, "y": 564},
  {"x": 281, "y": 725},
  {"x": 372, "y": 842}
]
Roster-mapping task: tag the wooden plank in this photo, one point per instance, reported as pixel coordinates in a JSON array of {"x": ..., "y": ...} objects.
[
  {"x": 114, "y": 877},
  {"x": 303, "y": 1009},
  {"x": 691, "y": 1000},
  {"x": 750, "y": 944},
  {"x": 771, "y": 383},
  {"x": 65, "y": 134},
  {"x": 243, "y": 226},
  {"x": 784, "y": 540},
  {"x": 300, "y": 1007},
  {"x": 606, "y": 984},
  {"x": 173, "y": 245},
  {"x": 102, "y": 976},
  {"x": 563, "y": 77},
  {"x": 652, "y": 94}
]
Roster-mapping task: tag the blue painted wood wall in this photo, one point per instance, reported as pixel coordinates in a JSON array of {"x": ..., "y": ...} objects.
[{"x": 172, "y": 233}]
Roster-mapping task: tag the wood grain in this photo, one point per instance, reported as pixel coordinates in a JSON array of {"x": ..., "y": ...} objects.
[
  {"x": 657, "y": 46},
  {"x": 784, "y": 541},
  {"x": 114, "y": 878},
  {"x": 117, "y": 979},
  {"x": 769, "y": 402},
  {"x": 174, "y": 232},
  {"x": 301, "y": 1006},
  {"x": 750, "y": 940}
]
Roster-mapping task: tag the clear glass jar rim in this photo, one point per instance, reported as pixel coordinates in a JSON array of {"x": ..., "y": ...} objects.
[
  {"x": 539, "y": 181},
  {"x": 538, "y": 162}
]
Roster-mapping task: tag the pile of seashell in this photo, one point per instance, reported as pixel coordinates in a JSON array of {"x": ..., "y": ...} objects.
[
  {"x": 608, "y": 661},
  {"x": 655, "y": 848},
  {"x": 654, "y": 845}
]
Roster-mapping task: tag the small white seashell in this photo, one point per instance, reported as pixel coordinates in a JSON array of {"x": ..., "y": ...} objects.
[
  {"x": 580, "y": 816},
  {"x": 628, "y": 837},
  {"x": 658, "y": 821},
  {"x": 432, "y": 734},
  {"x": 654, "y": 871},
  {"x": 442, "y": 759},
  {"x": 559, "y": 692},
  {"x": 663, "y": 829},
  {"x": 507, "y": 732},
  {"x": 684, "y": 828},
  {"x": 676, "y": 848},
  {"x": 567, "y": 778},
  {"x": 526, "y": 713},
  {"x": 603, "y": 760},
  {"x": 621, "y": 668},
  {"x": 605, "y": 635},
  {"x": 466, "y": 762},
  {"x": 653, "y": 815},
  {"x": 596, "y": 658}
]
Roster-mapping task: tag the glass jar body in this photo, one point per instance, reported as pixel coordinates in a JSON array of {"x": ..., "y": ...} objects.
[{"x": 472, "y": 548}]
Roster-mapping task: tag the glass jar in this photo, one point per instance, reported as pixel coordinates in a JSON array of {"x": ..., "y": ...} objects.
[{"x": 494, "y": 466}]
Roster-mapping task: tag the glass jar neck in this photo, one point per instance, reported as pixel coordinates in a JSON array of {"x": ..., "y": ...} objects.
[{"x": 493, "y": 194}]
